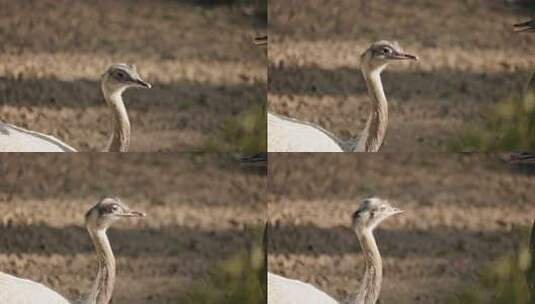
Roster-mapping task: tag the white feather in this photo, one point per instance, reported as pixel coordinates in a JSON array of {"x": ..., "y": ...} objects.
[
  {"x": 291, "y": 135},
  {"x": 286, "y": 291},
  {"x": 15, "y": 139},
  {"x": 14, "y": 290}
]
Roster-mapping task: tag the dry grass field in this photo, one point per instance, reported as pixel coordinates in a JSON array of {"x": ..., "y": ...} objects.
[
  {"x": 469, "y": 59},
  {"x": 200, "y": 59},
  {"x": 200, "y": 212},
  {"x": 462, "y": 212}
]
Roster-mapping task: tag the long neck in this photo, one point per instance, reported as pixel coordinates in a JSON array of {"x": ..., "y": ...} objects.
[
  {"x": 102, "y": 290},
  {"x": 373, "y": 274},
  {"x": 371, "y": 138},
  {"x": 120, "y": 138}
]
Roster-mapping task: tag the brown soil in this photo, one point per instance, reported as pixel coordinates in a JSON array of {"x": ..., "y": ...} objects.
[
  {"x": 469, "y": 59},
  {"x": 201, "y": 61},
  {"x": 200, "y": 211},
  {"x": 462, "y": 212}
]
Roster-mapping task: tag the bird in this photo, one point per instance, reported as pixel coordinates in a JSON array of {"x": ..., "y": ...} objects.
[
  {"x": 371, "y": 212},
  {"x": 98, "y": 219},
  {"x": 116, "y": 79},
  {"x": 527, "y": 26},
  {"x": 291, "y": 135}
]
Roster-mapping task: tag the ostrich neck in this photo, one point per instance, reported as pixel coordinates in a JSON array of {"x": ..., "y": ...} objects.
[
  {"x": 371, "y": 138},
  {"x": 102, "y": 290},
  {"x": 373, "y": 275},
  {"x": 120, "y": 138}
]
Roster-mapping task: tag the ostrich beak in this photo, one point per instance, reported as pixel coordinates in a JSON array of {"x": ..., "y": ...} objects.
[
  {"x": 133, "y": 213},
  {"x": 528, "y": 26},
  {"x": 396, "y": 211},
  {"x": 142, "y": 83},
  {"x": 404, "y": 56}
]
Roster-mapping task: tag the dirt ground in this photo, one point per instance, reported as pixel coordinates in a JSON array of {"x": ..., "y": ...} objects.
[
  {"x": 462, "y": 212},
  {"x": 200, "y": 209},
  {"x": 469, "y": 59},
  {"x": 200, "y": 60}
]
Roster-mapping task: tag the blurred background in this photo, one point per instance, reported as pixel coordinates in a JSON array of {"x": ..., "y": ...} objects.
[
  {"x": 467, "y": 217},
  {"x": 201, "y": 241},
  {"x": 471, "y": 64},
  {"x": 208, "y": 77}
]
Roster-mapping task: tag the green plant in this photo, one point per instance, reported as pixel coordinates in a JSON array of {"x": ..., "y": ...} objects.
[
  {"x": 509, "y": 280},
  {"x": 509, "y": 126},
  {"x": 527, "y": 6},
  {"x": 246, "y": 132},
  {"x": 239, "y": 279}
]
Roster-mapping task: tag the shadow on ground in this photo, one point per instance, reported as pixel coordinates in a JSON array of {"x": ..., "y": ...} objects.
[
  {"x": 313, "y": 240},
  {"x": 168, "y": 241},
  {"x": 421, "y": 86}
]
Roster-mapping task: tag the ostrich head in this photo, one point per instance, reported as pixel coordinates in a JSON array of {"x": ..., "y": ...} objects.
[
  {"x": 120, "y": 76},
  {"x": 381, "y": 53},
  {"x": 106, "y": 212},
  {"x": 528, "y": 26},
  {"x": 372, "y": 212}
]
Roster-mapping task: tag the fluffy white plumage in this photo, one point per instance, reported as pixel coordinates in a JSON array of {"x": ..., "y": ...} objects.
[
  {"x": 290, "y": 135},
  {"x": 286, "y": 291},
  {"x": 15, "y": 139},
  {"x": 14, "y": 290}
]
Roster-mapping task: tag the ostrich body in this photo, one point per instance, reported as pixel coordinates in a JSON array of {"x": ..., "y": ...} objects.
[
  {"x": 16, "y": 139},
  {"x": 282, "y": 290},
  {"x": 98, "y": 219},
  {"x": 370, "y": 213},
  {"x": 292, "y": 135},
  {"x": 116, "y": 79}
]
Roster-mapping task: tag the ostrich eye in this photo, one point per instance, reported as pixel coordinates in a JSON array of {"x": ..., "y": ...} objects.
[
  {"x": 387, "y": 50},
  {"x": 120, "y": 75},
  {"x": 113, "y": 208},
  {"x": 372, "y": 213}
]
